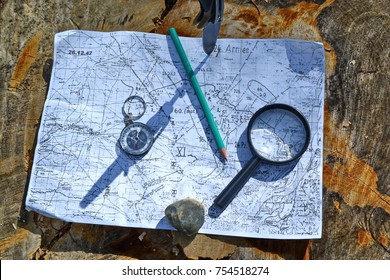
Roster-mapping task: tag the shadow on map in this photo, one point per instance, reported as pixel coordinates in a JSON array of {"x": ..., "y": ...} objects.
[
  {"x": 266, "y": 172},
  {"x": 123, "y": 161},
  {"x": 303, "y": 56}
]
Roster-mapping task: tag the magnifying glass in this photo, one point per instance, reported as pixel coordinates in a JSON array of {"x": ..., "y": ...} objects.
[{"x": 277, "y": 134}]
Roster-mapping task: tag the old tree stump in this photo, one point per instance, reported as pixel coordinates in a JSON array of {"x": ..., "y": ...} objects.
[{"x": 356, "y": 187}]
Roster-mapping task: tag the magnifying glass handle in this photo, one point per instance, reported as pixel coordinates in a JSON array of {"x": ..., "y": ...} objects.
[{"x": 235, "y": 185}]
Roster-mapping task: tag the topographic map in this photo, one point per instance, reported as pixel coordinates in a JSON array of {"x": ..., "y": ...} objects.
[{"x": 80, "y": 173}]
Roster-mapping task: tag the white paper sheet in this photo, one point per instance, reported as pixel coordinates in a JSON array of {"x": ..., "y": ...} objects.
[{"x": 80, "y": 174}]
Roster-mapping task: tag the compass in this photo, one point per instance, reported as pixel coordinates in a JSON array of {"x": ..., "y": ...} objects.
[{"x": 136, "y": 138}]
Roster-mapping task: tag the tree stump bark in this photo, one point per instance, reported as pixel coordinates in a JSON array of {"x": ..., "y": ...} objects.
[{"x": 356, "y": 187}]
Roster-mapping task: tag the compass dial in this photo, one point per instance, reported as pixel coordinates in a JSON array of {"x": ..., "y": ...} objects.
[{"x": 136, "y": 138}]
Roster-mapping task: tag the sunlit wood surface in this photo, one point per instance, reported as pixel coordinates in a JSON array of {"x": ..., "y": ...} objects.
[{"x": 356, "y": 186}]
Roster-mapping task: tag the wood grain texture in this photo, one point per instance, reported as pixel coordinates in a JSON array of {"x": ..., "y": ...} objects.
[{"x": 356, "y": 206}]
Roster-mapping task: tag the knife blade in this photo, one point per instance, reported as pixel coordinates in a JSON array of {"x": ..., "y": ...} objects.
[
  {"x": 210, "y": 36},
  {"x": 209, "y": 18}
]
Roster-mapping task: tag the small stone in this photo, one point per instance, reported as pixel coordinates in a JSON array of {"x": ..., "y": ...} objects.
[{"x": 186, "y": 215}]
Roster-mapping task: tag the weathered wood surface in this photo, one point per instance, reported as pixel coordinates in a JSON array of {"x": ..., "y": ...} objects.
[{"x": 356, "y": 35}]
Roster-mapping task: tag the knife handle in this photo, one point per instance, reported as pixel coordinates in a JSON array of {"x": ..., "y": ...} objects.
[{"x": 207, "y": 13}]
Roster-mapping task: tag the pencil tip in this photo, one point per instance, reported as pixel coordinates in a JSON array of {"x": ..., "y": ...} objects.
[{"x": 224, "y": 153}]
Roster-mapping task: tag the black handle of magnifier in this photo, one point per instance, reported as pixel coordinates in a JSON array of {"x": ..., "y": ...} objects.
[{"x": 235, "y": 185}]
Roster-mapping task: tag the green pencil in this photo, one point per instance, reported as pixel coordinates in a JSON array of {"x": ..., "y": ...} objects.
[{"x": 198, "y": 92}]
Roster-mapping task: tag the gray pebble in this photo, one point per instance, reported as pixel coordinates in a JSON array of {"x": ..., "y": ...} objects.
[{"x": 186, "y": 215}]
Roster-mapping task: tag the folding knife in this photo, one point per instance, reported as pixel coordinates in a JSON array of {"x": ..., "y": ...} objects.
[{"x": 209, "y": 19}]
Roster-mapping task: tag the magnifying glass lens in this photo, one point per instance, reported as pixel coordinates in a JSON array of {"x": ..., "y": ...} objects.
[{"x": 278, "y": 135}]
